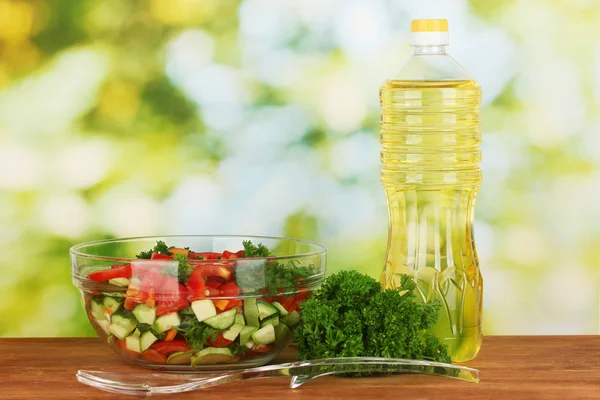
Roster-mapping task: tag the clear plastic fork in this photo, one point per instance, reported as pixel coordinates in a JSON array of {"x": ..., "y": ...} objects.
[{"x": 150, "y": 384}]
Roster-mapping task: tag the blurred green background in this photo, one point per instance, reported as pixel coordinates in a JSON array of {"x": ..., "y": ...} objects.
[{"x": 122, "y": 118}]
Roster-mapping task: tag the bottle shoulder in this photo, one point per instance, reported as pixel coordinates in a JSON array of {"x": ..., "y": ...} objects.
[{"x": 432, "y": 67}]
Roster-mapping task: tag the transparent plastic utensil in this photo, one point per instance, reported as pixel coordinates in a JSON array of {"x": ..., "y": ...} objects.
[{"x": 149, "y": 384}]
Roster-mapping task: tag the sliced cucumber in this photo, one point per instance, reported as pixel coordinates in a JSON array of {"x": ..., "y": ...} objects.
[
  {"x": 166, "y": 322},
  {"x": 116, "y": 294},
  {"x": 119, "y": 331},
  {"x": 251, "y": 312},
  {"x": 132, "y": 342},
  {"x": 222, "y": 321},
  {"x": 144, "y": 314},
  {"x": 246, "y": 334},
  {"x": 249, "y": 344},
  {"x": 282, "y": 333},
  {"x": 272, "y": 320},
  {"x": 239, "y": 319},
  {"x": 214, "y": 350},
  {"x": 265, "y": 335},
  {"x": 121, "y": 326},
  {"x": 97, "y": 309},
  {"x": 265, "y": 309},
  {"x": 233, "y": 332},
  {"x": 104, "y": 324},
  {"x": 282, "y": 311},
  {"x": 292, "y": 319},
  {"x": 180, "y": 358},
  {"x": 112, "y": 304},
  {"x": 147, "y": 339},
  {"x": 204, "y": 309},
  {"x": 123, "y": 282},
  {"x": 212, "y": 355}
]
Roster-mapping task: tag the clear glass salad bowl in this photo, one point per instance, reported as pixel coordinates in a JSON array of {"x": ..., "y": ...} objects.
[{"x": 193, "y": 303}]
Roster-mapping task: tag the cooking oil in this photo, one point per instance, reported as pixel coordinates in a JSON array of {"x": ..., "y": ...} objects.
[{"x": 430, "y": 153}]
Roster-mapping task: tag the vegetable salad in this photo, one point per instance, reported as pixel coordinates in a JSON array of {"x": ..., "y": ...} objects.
[{"x": 191, "y": 309}]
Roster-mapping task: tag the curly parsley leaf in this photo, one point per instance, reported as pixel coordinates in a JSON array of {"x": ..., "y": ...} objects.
[
  {"x": 184, "y": 270},
  {"x": 286, "y": 277},
  {"x": 195, "y": 332},
  {"x": 250, "y": 250},
  {"x": 351, "y": 315},
  {"x": 160, "y": 248}
]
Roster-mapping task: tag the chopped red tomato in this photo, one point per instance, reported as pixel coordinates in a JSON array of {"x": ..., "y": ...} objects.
[
  {"x": 220, "y": 270},
  {"x": 108, "y": 274},
  {"x": 131, "y": 302},
  {"x": 196, "y": 285},
  {"x": 234, "y": 303},
  {"x": 240, "y": 254},
  {"x": 229, "y": 255},
  {"x": 170, "y": 290},
  {"x": 152, "y": 279},
  {"x": 158, "y": 256},
  {"x": 262, "y": 348},
  {"x": 173, "y": 346},
  {"x": 166, "y": 307},
  {"x": 141, "y": 268},
  {"x": 302, "y": 294},
  {"x": 214, "y": 284},
  {"x": 154, "y": 356},
  {"x": 205, "y": 255},
  {"x": 288, "y": 303},
  {"x": 230, "y": 290},
  {"x": 219, "y": 341}
]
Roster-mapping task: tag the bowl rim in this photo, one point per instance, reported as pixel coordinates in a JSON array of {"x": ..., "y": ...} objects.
[{"x": 75, "y": 250}]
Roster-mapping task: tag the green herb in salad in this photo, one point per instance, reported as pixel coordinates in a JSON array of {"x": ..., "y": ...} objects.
[
  {"x": 352, "y": 316},
  {"x": 279, "y": 276},
  {"x": 183, "y": 269},
  {"x": 122, "y": 312},
  {"x": 160, "y": 248},
  {"x": 273, "y": 276},
  {"x": 195, "y": 332},
  {"x": 250, "y": 250}
]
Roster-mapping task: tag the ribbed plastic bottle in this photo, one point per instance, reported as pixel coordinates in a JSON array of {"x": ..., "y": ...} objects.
[{"x": 430, "y": 153}]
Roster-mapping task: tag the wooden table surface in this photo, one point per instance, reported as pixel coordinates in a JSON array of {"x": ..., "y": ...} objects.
[{"x": 512, "y": 367}]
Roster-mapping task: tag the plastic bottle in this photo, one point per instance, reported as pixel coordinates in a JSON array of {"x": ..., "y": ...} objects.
[{"x": 430, "y": 153}]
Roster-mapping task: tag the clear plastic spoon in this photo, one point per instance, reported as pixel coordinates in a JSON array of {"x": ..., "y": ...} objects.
[{"x": 150, "y": 384}]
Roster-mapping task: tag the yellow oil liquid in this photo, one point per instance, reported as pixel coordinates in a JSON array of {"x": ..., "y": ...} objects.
[{"x": 430, "y": 154}]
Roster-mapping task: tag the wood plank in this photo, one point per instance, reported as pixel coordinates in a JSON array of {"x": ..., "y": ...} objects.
[{"x": 512, "y": 367}]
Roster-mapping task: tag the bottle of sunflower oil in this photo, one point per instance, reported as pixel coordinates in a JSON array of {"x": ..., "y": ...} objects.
[{"x": 430, "y": 154}]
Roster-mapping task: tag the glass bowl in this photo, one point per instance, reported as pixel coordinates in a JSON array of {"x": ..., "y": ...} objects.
[{"x": 190, "y": 303}]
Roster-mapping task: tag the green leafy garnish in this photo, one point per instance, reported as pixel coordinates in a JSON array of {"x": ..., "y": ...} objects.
[
  {"x": 195, "y": 332},
  {"x": 183, "y": 270},
  {"x": 351, "y": 316},
  {"x": 286, "y": 277},
  {"x": 250, "y": 250},
  {"x": 160, "y": 248},
  {"x": 237, "y": 349},
  {"x": 122, "y": 312},
  {"x": 269, "y": 275}
]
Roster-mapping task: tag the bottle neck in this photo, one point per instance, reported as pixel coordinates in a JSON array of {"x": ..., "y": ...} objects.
[{"x": 430, "y": 49}]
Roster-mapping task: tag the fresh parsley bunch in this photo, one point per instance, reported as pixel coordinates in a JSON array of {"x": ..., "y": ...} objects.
[{"x": 351, "y": 316}]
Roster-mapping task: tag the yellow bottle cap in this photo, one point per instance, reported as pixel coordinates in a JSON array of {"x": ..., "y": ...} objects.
[{"x": 429, "y": 25}]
